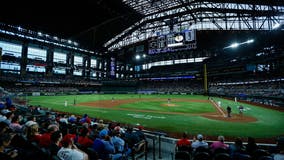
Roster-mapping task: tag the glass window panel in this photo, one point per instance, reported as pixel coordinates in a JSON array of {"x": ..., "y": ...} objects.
[
  {"x": 93, "y": 63},
  {"x": 36, "y": 53},
  {"x": 59, "y": 70},
  {"x": 60, "y": 57},
  {"x": 77, "y": 72},
  {"x": 33, "y": 68},
  {"x": 11, "y": 49},
  {"x": 10, "y": 66},
  {"x": 78, "y": 60}
]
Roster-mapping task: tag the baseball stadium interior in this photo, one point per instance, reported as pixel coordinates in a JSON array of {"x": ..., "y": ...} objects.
[{"x": 233, "y": 50}]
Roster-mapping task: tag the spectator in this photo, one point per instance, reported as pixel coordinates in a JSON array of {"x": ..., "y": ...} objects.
[
  {"x": 101, "y": 125},
  {"x": 5, "y": 140},
  {"x": 103, "y": 145},
  {"x": 219, "y": 144},
  {"x": 33, "y": 134},
  {"x": 184, "y": 143},
  {"x": 130, "y": 137},
  {"x": 55, "y": 145},
  {"x": 45, "y": 138},
  {"x": 83, "y": 139},
  {"x": 119, "y": 145},
  {"x": 199, "y": 143},
  {"x": 237, "y": 147},
  {"x": 251, "y": 146},
  {"x": 140, "y": 134},
  {"x": 15, "y": 125},
  {"x": 69, "y": 150},
  {"x": 280, "y": 146},
  {"x": 85, "y": 119}
]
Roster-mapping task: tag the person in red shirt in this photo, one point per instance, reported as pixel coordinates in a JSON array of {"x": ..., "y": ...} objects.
[
  {"x": 184, "y": 143},
  {"x": 45, "y": 138},
  {"x": 84, "y": 140}
]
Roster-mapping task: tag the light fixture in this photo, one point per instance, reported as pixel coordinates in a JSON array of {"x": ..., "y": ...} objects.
[
  {"x": 277, "y": 25},
  {"x": 137, "y": 57},
  {"x": 234, "y": 45}
]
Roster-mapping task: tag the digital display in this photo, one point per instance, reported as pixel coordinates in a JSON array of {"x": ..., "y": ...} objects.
[{"x": 172, "y": 42}]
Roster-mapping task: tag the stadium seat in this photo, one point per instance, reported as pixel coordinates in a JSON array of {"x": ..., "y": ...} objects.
[
  {"x": 265, "y": 158},
  {"x": 221, "y": 150},
  {"x": 182, "y": 155},
  {"x": 222, "y": 156},
  {"x": 202, "y": 156},
  {"x": 139, "y": 149},
  {"x": 259, "y": 153}
]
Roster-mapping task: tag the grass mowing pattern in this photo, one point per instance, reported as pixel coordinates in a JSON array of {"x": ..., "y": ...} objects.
[{"x": 269, "y": 124}]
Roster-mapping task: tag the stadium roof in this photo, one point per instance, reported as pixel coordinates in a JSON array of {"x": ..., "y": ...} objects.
[
  {"x": 95, "y": 23},
  {"x": 75, "y": 20}
]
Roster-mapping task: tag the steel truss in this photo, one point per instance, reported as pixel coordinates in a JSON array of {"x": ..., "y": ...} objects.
[{"x": 165, "y": 16}]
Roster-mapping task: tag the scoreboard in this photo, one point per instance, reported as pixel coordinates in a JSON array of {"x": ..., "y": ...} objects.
[{"x": 172, "y": 42}]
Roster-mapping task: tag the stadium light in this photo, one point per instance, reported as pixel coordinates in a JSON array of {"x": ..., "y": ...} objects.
[
  {"x": 277, "y": 25},
  {"x": 235, "y": 45},
  {"x": 250, "y": 41},
  {"x": 137, "y": 57},
  {"x": 144, "y": 55}
]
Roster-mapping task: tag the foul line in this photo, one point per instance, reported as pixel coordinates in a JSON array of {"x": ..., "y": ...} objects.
[{"x": 218, "y": 108}]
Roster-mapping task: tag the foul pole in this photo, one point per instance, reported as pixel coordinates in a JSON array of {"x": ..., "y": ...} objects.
[{"x": 205, "y": 79}]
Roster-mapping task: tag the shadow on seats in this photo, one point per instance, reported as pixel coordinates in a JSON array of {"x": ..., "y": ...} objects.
[
  {"x": 201, "y": 156},
  {"x": 182, "y": 155},
  {"x": 222, "y": 156},
  {"x": 259, "y": 153}
]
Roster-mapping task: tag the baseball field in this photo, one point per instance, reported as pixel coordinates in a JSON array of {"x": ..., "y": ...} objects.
[{"x": 172, "y": 113}]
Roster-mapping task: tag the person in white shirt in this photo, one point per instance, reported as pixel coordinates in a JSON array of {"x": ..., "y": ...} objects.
[
  {"x": 69, "y": 150},
  {"x": 199, "y": 143},
  {"x": 280, "y": 146}
]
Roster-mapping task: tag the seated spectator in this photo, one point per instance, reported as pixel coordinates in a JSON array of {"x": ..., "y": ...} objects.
[
  {"x": 84, "y": 139},
  {"x": 139, "y": 133},
  {"x": 9, "y": 115},
  {"x": 219, "y": 144},
  {"x": 251, "y": 146},
  {"x": 31, "y": 121},
  {"x": 45, "y": 138},
  {"x": 55, "y": 145},
  {"x": 119, "y": 128},
  {"x": 103, "y": 145},
  {"x": 184, "y": 143},
  {"x": 72, "y": 119},
  {"x": 4, "y": 128},
  {"x": 69, "y": 150},
  {"x": 2, "y": 105},
  {"x": 85, "y": 119},
  {"x": 130, "y": 137},
  {"x": 199, "y": 143},
  {"x": 100, "y": 125},
  {"x": 280, "y": 146},
  {"x": 119, "y": 145},
  {"x": 32, "y": 133},
  {"x": 237, "y": 147},
  {"x": 63, "y": 119},
  {"x": 15, "y": 125},
  {"x": 5, "y": 140}
]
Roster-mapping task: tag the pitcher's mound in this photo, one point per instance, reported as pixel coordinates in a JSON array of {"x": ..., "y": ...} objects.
[{"x": 169, "y": 105}]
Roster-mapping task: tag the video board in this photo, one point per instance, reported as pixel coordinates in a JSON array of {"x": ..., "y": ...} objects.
[{"x": 172, "y": 42}]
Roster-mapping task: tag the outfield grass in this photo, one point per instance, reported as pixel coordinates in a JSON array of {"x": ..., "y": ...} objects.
[{"x": 269, "y": 123}]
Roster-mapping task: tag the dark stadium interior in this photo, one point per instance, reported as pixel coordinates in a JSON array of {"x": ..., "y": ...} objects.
[{"x": 229, "y": 49}]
